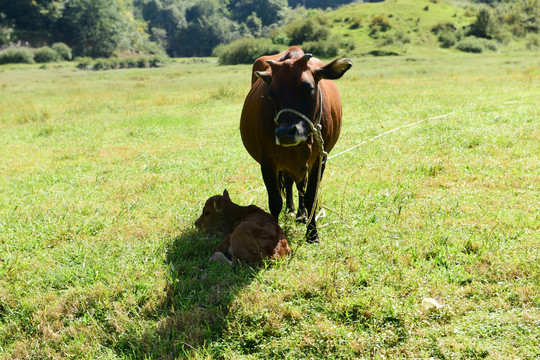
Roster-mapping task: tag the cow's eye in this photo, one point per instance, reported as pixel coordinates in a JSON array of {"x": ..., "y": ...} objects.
[
  {"x": 307, "y": 88},
  {"x": 206, "y": 213}
]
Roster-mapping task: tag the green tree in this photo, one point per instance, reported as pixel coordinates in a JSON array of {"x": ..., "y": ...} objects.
[
  {"x": 6, "y": 30},
  {"x": 33, "y": 15},
  {"x": 269, "y": 11},
  {"x": 484, "y": 24},
  {"x": 208, "y": 26},
  {"x": 166, "y": 19},
  {"x": 96, "y": 28}
]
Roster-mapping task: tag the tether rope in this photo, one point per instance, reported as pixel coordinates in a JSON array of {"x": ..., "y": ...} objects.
[{"x": 388, "y": 132}]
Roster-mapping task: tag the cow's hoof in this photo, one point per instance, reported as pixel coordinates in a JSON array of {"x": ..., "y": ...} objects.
[
  {"x": 219, "y": 257},
  {"x": 312, "y": 239},
  {"x": 301, "y": 218}
]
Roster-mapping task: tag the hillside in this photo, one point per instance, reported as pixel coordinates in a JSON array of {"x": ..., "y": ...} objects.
[
  {"x": 410, "y": 24},
  {"x": 399, "y": 27}
]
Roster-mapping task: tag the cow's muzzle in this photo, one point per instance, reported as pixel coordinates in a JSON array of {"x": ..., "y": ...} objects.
[{"x": 292, "y": 134}]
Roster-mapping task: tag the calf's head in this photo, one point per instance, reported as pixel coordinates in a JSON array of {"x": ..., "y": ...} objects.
[
  {"x": 215, "y": 217},
  {"x": 293, "y": 89}
]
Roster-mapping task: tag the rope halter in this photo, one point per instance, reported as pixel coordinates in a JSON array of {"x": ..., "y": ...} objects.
[{"x": 316, "y": 126}]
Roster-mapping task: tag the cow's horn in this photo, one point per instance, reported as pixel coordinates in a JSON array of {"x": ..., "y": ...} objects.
[
  {"x": 307, "y": 57},
  {"x": 270, "y": 62}
]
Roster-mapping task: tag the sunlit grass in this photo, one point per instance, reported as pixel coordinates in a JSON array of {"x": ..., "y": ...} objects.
[{"x": 104, "y": 173}]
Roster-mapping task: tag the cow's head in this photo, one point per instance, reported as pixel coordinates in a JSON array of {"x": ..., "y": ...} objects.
[
  {"x": 294, "y": 91},
  {"x": 215, "y": 215}
]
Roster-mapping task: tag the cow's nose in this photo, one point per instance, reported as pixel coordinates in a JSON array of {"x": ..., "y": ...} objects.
[
  {"x": 286, "y": 135},
  {"x": 290, "y": 135}
]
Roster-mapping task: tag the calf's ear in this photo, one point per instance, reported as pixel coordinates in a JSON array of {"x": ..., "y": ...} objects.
[
  {"x": 218, "y": 205},
  {"x": 226, "y": 195},
  {"x": 335, "y": 69},
  {"x": 265, "y": 76}
]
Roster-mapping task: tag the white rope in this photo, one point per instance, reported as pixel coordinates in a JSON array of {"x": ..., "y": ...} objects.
[
  {"x": 389, "y": 132},
  {"x": 323, "y": 155}
]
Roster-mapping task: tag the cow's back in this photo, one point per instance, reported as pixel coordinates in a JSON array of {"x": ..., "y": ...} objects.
[{"x": 258, "y": 236}]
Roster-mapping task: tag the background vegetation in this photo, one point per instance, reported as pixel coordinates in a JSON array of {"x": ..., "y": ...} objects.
[
  {"x": 201, "y": 28},
  {"x": 103, "y": 175}
]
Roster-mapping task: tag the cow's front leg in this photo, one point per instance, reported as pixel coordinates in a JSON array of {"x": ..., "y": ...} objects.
[
  {"x": 311, "y": 202},
  {"x": 301, "y": 215},
  {"x": 275, "y": 202}
]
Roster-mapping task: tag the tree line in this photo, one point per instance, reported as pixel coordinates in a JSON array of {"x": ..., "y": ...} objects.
[
  {"x": 101, "y": 28},
  {"x": 186, "y": 28}
]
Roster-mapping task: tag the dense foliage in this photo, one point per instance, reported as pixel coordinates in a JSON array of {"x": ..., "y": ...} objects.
[
  {"x": 184, "y": 28},
  {"x": 103, "y": 27}
]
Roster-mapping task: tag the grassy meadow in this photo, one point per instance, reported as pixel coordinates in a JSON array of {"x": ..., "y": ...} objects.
[{"x": 103, "y": 173}]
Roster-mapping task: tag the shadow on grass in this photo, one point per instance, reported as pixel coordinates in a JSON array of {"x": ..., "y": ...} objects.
[{"x": 198, "y": 294}]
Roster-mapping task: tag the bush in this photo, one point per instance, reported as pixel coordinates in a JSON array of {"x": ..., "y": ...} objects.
[
  {"x": 397, "y": 38},
  {"x": 120, "y": 63},
  {"x": 45, "y": 55},
  {"x": 533, "y": 42},
  {"x": 355, "y": 23},
  {"x": 447, "y": 39},
  {"x": 489, "y": 45},
  {"x": 281, "y": 39},
  {"x": 470, "y": 45},
  {"x": 143, "y": 62},
  {"x": 244, "y": 51},
  {"x": 476, "y": 45},
  {"x": 321, "y": 48},
  {"x": 114, "y": 63},
  {"x": 101, "y": 64},
  {"x": 17, "y": 56},
  {"x": 63, "y": 51},
  {"x": 379, "y": 23},
  {"x": 157, "y": 61},
  {"x": 443, "y": 27},
  {"x": 306, "y": 30},
  {"x": 484, "y": 25},
  {"x": 84, "y": 63}
]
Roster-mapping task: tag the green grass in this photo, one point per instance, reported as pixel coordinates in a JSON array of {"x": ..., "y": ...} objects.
[{"x": 104, "y": 173}]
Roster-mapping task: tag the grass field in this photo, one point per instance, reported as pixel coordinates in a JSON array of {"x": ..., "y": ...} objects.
[{"x": 102, "y": 175}]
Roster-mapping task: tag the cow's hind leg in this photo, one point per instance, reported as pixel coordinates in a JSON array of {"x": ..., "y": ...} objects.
[
  {"x": 301, "y": 216},
  {"x": 287, "y": 184},
  {"x": 313, "y": 180},
  {"x": 270, "y": 177}
]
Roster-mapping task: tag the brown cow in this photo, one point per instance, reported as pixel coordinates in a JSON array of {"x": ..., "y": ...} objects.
[
  {"x": 288, "y": 89},
  {"x": 251, "y": 234}
]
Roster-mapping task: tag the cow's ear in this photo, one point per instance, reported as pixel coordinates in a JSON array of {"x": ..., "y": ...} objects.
[
  {"x": 226, "y": 195},
  {"x": 265, "y": 76},
  {"x": 218, "y": 205},
  {"x": 335, "y": 69}
]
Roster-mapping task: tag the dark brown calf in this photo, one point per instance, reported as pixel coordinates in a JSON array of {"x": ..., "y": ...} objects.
[{"x": 251, "y": 234}]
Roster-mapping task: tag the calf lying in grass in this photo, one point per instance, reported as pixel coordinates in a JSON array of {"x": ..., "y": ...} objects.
[{"x": 251, "y": 234}]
